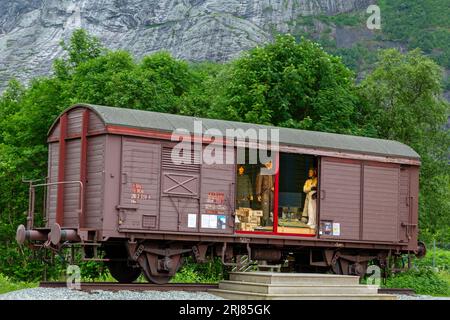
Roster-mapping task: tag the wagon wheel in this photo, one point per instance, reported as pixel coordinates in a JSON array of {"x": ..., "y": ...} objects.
[
  {"x": 122, "y": 272},
  {"x": 150, "y": 265},
  {"x": 340, "y": 266},
  {"x": 119, "y": 267}
]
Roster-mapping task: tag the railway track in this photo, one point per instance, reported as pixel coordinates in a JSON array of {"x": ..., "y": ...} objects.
[
  {"x": 193, "y": 287},
  {"x": 114, "y": 286}
]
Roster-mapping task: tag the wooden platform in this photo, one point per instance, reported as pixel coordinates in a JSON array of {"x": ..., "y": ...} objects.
[{"x": 295, "y": 286}]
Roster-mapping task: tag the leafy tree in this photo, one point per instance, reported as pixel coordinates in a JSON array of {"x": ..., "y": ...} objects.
[
  {"x": 207, "y": 90},
  {"x": 291, "y": 84},
  {"x": 404, "y": 96},
  {"x": 81, "y": 48}
]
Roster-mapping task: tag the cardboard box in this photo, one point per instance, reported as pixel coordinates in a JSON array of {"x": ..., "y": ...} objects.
[
  {"x": 243, "y": 212},
  {"x": 257, "y": 213},
  {"x": 247, "y": 226},
  {"x": 246, "y": 219}
]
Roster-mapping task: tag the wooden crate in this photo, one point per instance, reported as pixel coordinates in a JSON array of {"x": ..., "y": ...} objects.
[{"x": 296, "y": 230}]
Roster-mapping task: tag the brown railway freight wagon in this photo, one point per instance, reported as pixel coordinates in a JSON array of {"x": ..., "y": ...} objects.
[{"x": 113, "y": 184}]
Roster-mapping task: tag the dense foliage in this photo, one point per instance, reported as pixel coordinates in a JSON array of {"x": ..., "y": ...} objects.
[
  {"x": 406, "y": 24},
  {"x": 419, "y": 24},
  {"x": 288, "y": 83},
  {"x": 422, "y": 281},
  {"x": 292, "y": 85}
]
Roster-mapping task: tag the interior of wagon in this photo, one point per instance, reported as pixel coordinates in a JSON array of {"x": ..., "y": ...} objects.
[{"x": 283, "y": 202}]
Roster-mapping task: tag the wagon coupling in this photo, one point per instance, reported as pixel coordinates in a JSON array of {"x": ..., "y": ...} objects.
[{"x": 23, "y": 235}]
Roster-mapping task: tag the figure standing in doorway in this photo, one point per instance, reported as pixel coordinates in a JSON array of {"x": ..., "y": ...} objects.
[
  {"x": 264, "y": 190},
  {"x": 244, "y": 188},
  {"x": 310, "y": 188}
]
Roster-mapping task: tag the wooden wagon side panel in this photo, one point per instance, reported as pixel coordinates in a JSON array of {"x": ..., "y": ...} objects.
[
  {"x": 217, "y": 197},
  {"x": 72, "y": 191},
  {"x": 95, "y": 181},
  {"x": 53, "y": 158},
  {"x": 95, "y": 123},
  {"x": 340, "y": 199},
  {"x": 74, "y": 121},
  {"x": 55, "y": 132},
  {"x": 414, "y": 194},
  {"x": 405, "y": 204},
  {"x": 139, "y": 199},
  {"x": 112, "y": 185},
  {"x": 380, "y": 203}
]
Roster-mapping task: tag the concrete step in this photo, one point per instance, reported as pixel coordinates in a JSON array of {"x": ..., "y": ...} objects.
[
  {"x": 240, "y": 295},
  {"x": 290, "y": 278},
  {"x": 296, "y": 288}
]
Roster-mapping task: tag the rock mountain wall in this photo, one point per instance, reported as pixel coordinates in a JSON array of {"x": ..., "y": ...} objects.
[{"x": 196, "y": 30}]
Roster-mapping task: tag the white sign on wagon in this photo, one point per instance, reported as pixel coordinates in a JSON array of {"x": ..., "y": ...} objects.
[
  {"x": 336, "y": 229},
  {"x": 192, "y": 220},
  {"x": 209, "y": 221}
]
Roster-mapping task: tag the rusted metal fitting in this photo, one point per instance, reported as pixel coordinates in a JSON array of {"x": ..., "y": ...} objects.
[
  {"x": 266, "y": 254},
  {"x": 58, "y": 235},
  {"x": 22, "y": 235},
  {"x": 421, "y": 250}
]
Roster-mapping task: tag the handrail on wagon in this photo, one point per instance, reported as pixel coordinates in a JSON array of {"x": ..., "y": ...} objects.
[{"x": 31, "y": 199}]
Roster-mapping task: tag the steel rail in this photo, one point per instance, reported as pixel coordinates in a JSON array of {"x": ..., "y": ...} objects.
[{"x": 115, "y": 286}]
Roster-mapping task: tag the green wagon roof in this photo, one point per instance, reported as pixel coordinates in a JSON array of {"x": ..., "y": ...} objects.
[{"x": 293, "y": 137}]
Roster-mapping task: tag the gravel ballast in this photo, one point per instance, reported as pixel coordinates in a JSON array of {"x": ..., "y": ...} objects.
[{"x": 68, "y": 294}]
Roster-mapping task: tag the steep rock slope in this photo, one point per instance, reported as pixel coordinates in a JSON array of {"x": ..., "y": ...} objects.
[{"x": 196, "y": 30}]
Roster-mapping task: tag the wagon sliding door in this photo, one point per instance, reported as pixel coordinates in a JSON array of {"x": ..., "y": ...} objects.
[
  {"x": 340, "y": 199},
  {"x": 405, "y": 205},
  {"x": 359, "y": 200},
  {"x": 217, "y": 199},
  {"x": 380, "y": 202},
  {"x": 139, "y": 197}
]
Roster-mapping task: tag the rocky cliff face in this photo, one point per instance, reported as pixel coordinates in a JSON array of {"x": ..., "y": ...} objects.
[{"x": 30, "y": 30}]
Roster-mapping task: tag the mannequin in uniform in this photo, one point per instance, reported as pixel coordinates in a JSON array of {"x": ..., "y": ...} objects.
[
  {"x": 244, "y": 188},
  {"x": 310, "y": 188},
  {"x": 264, "y": 191}
]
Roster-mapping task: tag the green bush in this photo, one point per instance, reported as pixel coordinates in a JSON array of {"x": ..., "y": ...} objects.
[
  {"x": 422, "y": 280},
  {"x": 441, "y": 259},
  {"x": 7, "y": 284},
  {"x": 191, "y": 272}
]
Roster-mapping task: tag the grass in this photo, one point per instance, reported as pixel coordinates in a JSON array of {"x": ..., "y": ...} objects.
[
  {"x": 7, "y": 285},
  {"x": 426, "y": 277},
  {"x": 445, "y": 276},
  {"x": 424, "y": 281},
  {"x": 441, "y": 259},
  {"x": 191, "y": 272}
]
